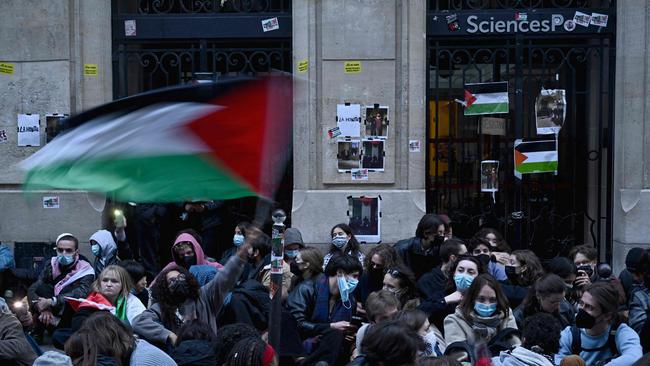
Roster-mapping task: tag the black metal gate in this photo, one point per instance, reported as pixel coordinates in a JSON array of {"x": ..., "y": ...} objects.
[{"x": 545, "y": 212}]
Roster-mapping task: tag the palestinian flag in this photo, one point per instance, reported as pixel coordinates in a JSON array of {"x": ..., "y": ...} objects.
[
  {"x": 535, "y": 157},
  {"x": 94, "y": 300},
  {"x": 486, "y": 98},
  {"x": 209, "y": 141}
]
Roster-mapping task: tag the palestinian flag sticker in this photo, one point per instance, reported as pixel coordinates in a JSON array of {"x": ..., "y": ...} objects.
[
  {"x": 485, "y": 98},
  {"x": 535, "y": 157}
]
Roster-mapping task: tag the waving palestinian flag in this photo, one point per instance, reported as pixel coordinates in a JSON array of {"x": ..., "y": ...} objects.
[
  {"x": 208, "y": 141},
  {"x": 486, "y": 98}
]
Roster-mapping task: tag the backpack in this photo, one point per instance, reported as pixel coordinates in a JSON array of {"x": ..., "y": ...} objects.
[{"x": 576, "y": 344}]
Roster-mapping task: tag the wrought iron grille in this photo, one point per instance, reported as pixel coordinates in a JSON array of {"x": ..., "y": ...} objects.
[
  {"x": 455, "y": 5},
  {"x": 210, "y": 6},
  {"x": 545, "y": 212}
]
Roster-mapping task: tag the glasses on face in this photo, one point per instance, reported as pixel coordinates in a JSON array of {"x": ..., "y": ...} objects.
[
  {"x": 65, "y": 250},
  {"x": 180, "y": 277}
]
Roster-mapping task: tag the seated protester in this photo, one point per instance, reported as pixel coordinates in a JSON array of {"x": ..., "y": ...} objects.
[
  {"x": 480, "y": 248},
  {"x": 343, "y": 241},
  {"x": 585, "y": 258},
  {"x": 421, "y": 253},
  {"x": 104, "y": 340},
  {"x": 438, "y": 361},
  {"x": 640, "y": 304},
  {"x": 380, "y": 306},
  {"x": 546, "y": 296},
  {"x": 378, "y": 260},
  {"x": 237, "y": 240},
  {"x": 187, "y": 252},
  {"x": 401, "y": 282},
  {"x": 177, "y": 298},
  {"x": 324, "y": 307},
  {"x": 432, "y": 337},
  {"x": 50, "y": 358},
  {"x": 308, "y": 265},
  {"x": 259, "y": 256},
  {"x": 540, "y": 341},
  {"x": 67, "y": 274},
  {"x": 292, "y": 244},
  {"x": 251, "y": 351},
  {"x": 498, "y": 246},
  {"x": 598, "y": 337},
  {"x": 631, "y": 276},
  {"x": 438, "y": 304},
  {"x": 105, "y": 249},
  {"x": 138, "y": 275},
  {"x": 195, "y": 345},
  {"x": 14, "y": 347},
  {"x": 203, "y": 273},
  {"x": 482, "y": 316},
  {"x": 566, "y": 270},
  {"x": 389, "y": 343},
  {"x": 523, "y": 271},
  {"x": 229, "y": 336},
  {"x": 436, "y": 279}
]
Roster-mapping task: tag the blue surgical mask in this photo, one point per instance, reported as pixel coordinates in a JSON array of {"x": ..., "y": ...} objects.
[
  {"x": 463, "y": 281},
  {"x": 339, "y": 241},
  {"x": 352, "y": 284},
  {"x": 96, "y": 249},
  {"x": 238, "y": 239},
  {"x": 291, "y": 253},
  {"x": 65, "y": 260},
  {"x": 344, "y": 289},
  {"x": 485, "y": 310}
]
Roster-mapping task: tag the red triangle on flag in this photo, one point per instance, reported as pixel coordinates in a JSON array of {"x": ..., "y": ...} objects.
[
  {"x": 469, "y": 98},
  {"x": 519, "y": 158}
]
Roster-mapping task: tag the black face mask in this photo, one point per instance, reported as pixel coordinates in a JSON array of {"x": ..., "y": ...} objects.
[
  {"x": 511, "y": 272},
  {"x": 376, "y": 273},
  {"x": 585, "y": 320},
  {"x": 180, "y": 291},
  {"x": 189, "y": 261},
  {"x": 295, "y": 269},
  {"x": 438, "y": 240},
  {"x": 484, "y": 258}
]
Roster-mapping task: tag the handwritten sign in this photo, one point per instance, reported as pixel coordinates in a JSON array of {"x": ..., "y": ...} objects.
[
  {"x": 90, "y": 70},
  {"x": 348, "y": 119},
  {"x": 352, "y": 67},
  {"x": 6, "y": 68},
  {"x": 29, "y": 130},
  {"x": 303, "y": 65}
]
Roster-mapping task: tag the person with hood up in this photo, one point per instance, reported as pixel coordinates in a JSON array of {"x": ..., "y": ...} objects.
[
  {"x": 14, "y": 347},
  {"x": 104, "y": 249},
  {"x": 187, "y": 252},
  {"x": 540, "y": 341}
]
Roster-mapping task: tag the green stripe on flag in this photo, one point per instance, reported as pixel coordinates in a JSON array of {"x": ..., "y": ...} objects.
[
  {"x": 486, "y": 108},
  {"x": 540, "y": 167},
  {"x": 143, "y": 179}
]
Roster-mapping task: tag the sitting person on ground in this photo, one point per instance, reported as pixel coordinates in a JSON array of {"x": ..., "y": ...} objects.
[
  {"x": 104, "y": 340},
  {"x": 251, "y": 351},
  {"x": 389, "y": 343},
  {"x": 438, "y": 361},
  {"x": 378, "y": 260},
  {"x": 631, "y": 276},
  {"x": 308, "y": 265},
  {"x": 177, "y": 298},
  {"x": 417, "y": 320},
  {"x": 585, "y": 258},
  {"x": 104, "y": 248},
  {"x": 380, "y": 306},
  {"x": 566, "y": 270},
  {"x": 343, "y": 241},
  {"x": 460, "y": 275},
  {"x": 499, "y": 248},
  {"x": 195, "y": 345},
  {"x": 14, "y": 347},
  {"x": 186, "y": 252},
  {"x": 640, "y": 304},
  {"x": 421, "y": 253},
  {"x": 523, "y": 271},
  {"x": 540, "y": 342},
  {"x": 482, "y": 316},
  {"x": 324, "y": 307},
  {"x": 292, "y": 244},
  {"x": 51, "y": 358},
  {"x": 598, "y": 336},
  {"x": 481, "y": 249},
  {"x": 259, "y": 256},
  {"x": 546, "y": 296},
  {"x": 237, "y": 240},
  {"x": 229, "y": 335},
  {"x": 400, "y": 281},
  {"x": 68, "y": 274},
  {"x": 138, "y": 275},
  {"x": 436, "y": 279}
]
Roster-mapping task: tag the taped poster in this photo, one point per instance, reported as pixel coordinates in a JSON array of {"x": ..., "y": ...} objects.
[
  {"x": 348, "y": 155},
  {"x": 373, "y": 155},
  {"x": 365, "y": 218},
  {"x": 377, "y": 121},
  {"x": 29, "y": 130},
  {"x": 270, "y": 25},
  {"x": 535, "y": 157},
  {"x": 485, "y": 98},
  {"x": 550, "y": 111},
  {"x": 414, "y": 146},
  {"x": 359, "y": 174},
  {"x": 490, "y": 176},
  {"x": 348, "y": 119}
]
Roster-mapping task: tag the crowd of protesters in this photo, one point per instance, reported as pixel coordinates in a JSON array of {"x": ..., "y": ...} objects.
[{"x": 433, "y": 299}]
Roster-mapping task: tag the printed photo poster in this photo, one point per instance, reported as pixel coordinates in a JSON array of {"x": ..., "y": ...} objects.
[
  {"x": 51, "y": 202},
  {"x": 490, "y": 176},
  {"x": 348, "y": 155},
  {"x": 348, "y": 119},
  {"x": 373, "y": 155},
  {"x": 365, "y": 218},
  {"x": 550, "y": 111},
  {"x": 377, "y": 121},
  {"x": 359, "y": 174},
  {"x": 29, "y": 130}
]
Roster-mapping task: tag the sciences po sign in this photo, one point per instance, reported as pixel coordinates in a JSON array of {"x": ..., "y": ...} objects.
[{"x": 521, "y": 21}]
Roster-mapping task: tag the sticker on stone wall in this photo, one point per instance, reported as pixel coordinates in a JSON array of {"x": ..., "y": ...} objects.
[
  {"x": 6, "y": 68},
  {"x": 414, "y": 146},
  {"x": 270, "y": 24},
  {"x": 91, "y": 70},
  {"x": 582, "y": 19},
  {"x": 352, "y": 67},
  {"x": 599, "y": 20},
  {"x": 3, "y": 136},
  {"x": 364, "y": 214},
  {"x": 359, "y": 174},
  {"x": 303, "y": 66},
  {"x": 50, "y": 201},
  {"x": 334, "y": 132},
  {"x": 130, "y": 28},
  {"x": 29, "y": 130}
]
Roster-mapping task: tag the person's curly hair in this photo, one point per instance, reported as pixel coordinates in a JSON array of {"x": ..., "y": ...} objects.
[
  {"x": 162, "y": 295},
  {"x": 229, "y": 335}
]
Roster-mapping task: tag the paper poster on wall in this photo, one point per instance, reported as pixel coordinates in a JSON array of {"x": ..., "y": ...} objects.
[
  {"x": 490, "y": 176},
  {"x": 376, "y": 121},
  {"x": 53, "y": 125},
  {"x": 348, "y": 119},
  {"x": 485, "y": 98},
  {"x": 365, "y": 218},
  {"x": 535, "y": 157},
  {"x": 3, "y": 136},
  {"x": 130, "y": 29},
  {"x": 550, "y": 111},
  {"x": 373, "y": 155},
  {"x": 270, "y": 24},
  {"x": 50, "y": 201},
  {"x": 492, "y": 126},
  {"x": 348, "y": 155},
  {"x": 29, "y": 130},
  {"x": 359, "y": 174},
  {"x": 414, "y": 146}
]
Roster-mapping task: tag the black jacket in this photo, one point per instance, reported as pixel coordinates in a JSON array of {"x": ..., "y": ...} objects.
[
  {"x": 414, "y": 257},
  {"x": 78, "y": 289},
  {"x": 195, "y": 353}
]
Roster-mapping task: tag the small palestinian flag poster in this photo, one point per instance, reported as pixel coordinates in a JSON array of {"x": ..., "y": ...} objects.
[
  {"x": 535, "y": 157},
  {"x": 485, "y": 98}
]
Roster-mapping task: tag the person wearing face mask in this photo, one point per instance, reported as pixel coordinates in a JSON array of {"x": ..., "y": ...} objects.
[
  {"x": 421, "y": 253},
  {"x": 379, "y": 258},
  {"x": 292, "y": 244},
  {"x": 343, "y": 241},
  {"x": 480, "y": 248},
  {"x": 481, "y": 316},
  {"x": 104, "y": 248},
  {"x": 138, "y": 275},
  {"x": 177, "y": 298},
  {"x": 522, "y": 271},
  {"x": 186, "y": 252},
  {"x": 585, "y": 258},
  {"x": 237, "y": 240},
  {"x": 598, "y": 336},
  {"x": 435, "y": 280},
  {"x": 546, "y": 296},
  {"x": 66, "y": 274},
  {"x": 498, "y": 246},
  {"x": 417, "y": 320},
  {"x": 400, "y": 281},
  {"x": 324, "y": 307}
]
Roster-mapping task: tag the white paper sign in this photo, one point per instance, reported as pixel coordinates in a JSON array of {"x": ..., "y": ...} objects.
[
  {"x": 414, "y": 146},
  {"x": 270, "y": 24},
  {"x": 29, "y": 130},
  {"x": 493, "y": 126},
  {"x": 348, "y": 119},
  {"x": 130, "y": 28},
  {"x": 50, "y": 201}
]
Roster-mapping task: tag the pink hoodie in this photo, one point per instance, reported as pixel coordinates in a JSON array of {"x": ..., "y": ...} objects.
[{"x": 198, "y": 251}]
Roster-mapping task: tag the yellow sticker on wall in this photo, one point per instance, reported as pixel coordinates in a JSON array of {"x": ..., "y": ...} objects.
[
  {"x": 6, "y": 68},
  {"x": 90, "y": 69},
  {"x": 352, "y": 67},
  {"x": 303, "y": 65}
]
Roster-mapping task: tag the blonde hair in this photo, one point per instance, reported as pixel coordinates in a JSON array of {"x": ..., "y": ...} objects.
[{"x": 121, "y": 274}]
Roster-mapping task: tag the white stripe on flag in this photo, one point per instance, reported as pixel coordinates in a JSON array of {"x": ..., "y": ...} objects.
[
  {"x": 540, "y": 156},
  {"x": 489, "y": 98}
]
